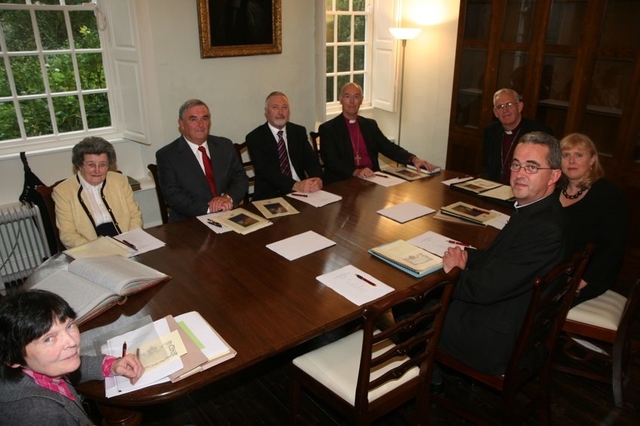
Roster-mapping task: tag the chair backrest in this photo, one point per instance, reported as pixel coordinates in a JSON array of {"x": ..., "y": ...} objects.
[
  {"x": 547, "y": 311},
  {"x": 315, "y": 144},
  {"x": 164, "y": 209},
  {"x": 45, "y": 192},
  {"x": 418, "y": 335},
  {"x": 631, "y": 309},
  {"x": 241, "y": 148}
]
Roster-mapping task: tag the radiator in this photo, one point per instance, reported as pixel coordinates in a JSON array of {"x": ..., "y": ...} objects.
[{"x": 23, "y": 242}]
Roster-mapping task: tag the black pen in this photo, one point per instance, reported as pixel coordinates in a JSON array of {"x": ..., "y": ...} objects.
[
  {"x": 366, "y": 280},
  {"x": 299, "y": 195},
  {"x": 381, "y": 175},
  {"x": 128, "y": 244},
  {"x": 214, "y": 223}
]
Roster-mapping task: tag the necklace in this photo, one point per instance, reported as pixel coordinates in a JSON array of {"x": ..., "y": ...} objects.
[{"x": 576, "y": 195}]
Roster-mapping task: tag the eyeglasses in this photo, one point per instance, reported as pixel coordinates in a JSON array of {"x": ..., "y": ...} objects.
[
  {"x": 101, "y": 166},
  {"x": 507, "y": 105},
  {"x": 530, "y": 169}
]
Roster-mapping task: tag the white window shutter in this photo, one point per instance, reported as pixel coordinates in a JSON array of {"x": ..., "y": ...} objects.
[
  {"x": 384, "y": 63},
  {"x": 124, "y": 54}
]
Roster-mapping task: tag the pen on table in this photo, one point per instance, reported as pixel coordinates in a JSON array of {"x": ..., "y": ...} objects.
[
  {"x": 214, "y": 223},
  {"x": 458, "y": 243},
  {"x": 366, "y": 280},
  {"x": 124, "y": 349},
  {"x": 128, "y": 244},
  {"x": 381, "y": 175},
  {"x": 299, "y": 195}
]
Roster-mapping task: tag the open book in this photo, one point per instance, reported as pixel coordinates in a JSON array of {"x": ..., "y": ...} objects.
[
  {"x": 413, "y": 260},
  {"x": 94, "y": 284},
  {"x": 471, "y": 213}
]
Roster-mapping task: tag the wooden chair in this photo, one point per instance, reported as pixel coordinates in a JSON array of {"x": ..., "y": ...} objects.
[
  {"x": 368, "y": 373},
  {"x": 315, "y": 144},
  {"x": 164, "y": 208},
  {"x": 529, "y": 368},
  {"x": 248, "y": 168},
  {"x": 597, "y": 341},
  {"x": 45, "y": 192}
]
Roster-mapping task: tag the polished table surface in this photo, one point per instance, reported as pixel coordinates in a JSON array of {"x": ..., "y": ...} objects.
[{"x": 263, "y": 304}]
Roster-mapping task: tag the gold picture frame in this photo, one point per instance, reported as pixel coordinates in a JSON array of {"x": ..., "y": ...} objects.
[{"x": 239, "y": 27}]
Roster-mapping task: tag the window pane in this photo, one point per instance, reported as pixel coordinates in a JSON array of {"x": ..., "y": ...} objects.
[
  {"x": 358, "y": 58},
  {"x": 5, "y": 90},
  {"x": 477, "y": 20},
  {"x": 344, "y": 28},
  {"x": 557, "y": 78},
  {"x": 609, "y": 84},
  {"x": 84, "y": 28},
  {"x": 342, "y": 5},
  {"x": 330, "y": 68},
  {"x": 97, "y": 109},
  {"x": 342, "y": 80},
  {"x": 512, "y": 70},
  {"x": 518, "y": 21},
  {"x": 35, "y": 114},
  {"x": 565, "y": 22},
  {"x": 27, "y": 75},
  {"x": 74, "y": 2},
  {"x": 330, "y": 28},
  {"x": 359, "y": 23},
  {"x": 18, "y": 31},
  {"x": 8, "y": 122},
  {"x": 469, "y": 101},
  {"x": 92, "y": 75},
  {"x": 53, "y": 31},
  {"x": 620, "y": 27},
  {"x": 60, "y": 73},
  {"x": 358, "y": 5},
  {"x": 330, "y": 97},
  {"x": 344, "y": 58},
  {"x": 50, "y": 2},
  {"x": 67, "y": 112},
  {"x": 359, "y": 78}
]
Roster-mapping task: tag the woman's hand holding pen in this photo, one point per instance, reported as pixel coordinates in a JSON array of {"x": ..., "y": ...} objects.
[{"x": 128, "y": 366}]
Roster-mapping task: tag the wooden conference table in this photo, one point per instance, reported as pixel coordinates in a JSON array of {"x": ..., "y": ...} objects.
[{"x": 261, "y": 303}]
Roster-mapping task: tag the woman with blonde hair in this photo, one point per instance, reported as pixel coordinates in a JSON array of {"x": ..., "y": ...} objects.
[{"x": 596, "y": 212}]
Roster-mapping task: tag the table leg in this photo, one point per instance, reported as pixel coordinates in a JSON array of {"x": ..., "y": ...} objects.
[{"x": 115, "y": 416}]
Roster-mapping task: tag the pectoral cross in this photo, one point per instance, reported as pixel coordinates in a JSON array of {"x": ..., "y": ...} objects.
[{"x": 357, "y": 159}]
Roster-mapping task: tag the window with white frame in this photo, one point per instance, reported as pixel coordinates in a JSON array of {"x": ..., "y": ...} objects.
[
  {"x": 348, "y": 47},
  {"x": 62, "y": 73}
]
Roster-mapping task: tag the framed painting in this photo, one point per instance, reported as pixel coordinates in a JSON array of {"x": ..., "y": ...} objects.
[{"x": 239, "y": 27}]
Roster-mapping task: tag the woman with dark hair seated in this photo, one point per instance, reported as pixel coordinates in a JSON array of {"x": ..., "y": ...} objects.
[
  {"x": 39, "y": 352},
  {"x": 596, "y": 213},
  {"x": 95, "y": 201}
]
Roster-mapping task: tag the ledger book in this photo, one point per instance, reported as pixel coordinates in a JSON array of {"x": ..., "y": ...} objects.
[{"x": 94, "y": 284}]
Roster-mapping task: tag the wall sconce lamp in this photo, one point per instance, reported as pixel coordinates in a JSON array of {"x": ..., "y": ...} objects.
[{"x": 403, "y": 34}]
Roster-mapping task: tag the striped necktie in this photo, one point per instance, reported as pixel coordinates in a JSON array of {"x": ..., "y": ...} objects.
[{"x": 282, "y": 156}]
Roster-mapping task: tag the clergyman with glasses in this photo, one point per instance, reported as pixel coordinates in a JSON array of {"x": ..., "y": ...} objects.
[
  {"x": 500, "y": 137},
  {"x": 95, "y": 201},
  {"x": 491, "y": 297}
]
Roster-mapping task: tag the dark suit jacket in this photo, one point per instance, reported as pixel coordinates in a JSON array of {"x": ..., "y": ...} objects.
[
  {"x": 491, "y": 297},
  {"x": 184, "y": 184},
  {"x": 263, "y": 150},
  {"x": 492, "y": 145},
  {"x": 337, "y": 151}
]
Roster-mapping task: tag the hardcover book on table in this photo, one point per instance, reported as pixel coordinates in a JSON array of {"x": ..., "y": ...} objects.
[{"x": 413, "y": 260}]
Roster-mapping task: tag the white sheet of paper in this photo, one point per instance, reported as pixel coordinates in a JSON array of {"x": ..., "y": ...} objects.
[
  {"x": 345, "y": 282},
  {"x": 212, "y": 216},
  {"x": 406, "y": 211},
  {"x": 500, "y": 221},
  {"x": 143, "y": 241},
  {"x": 435, "y": 243},
  {"x": 316, "y": 199},
  {"x": 300, "y": 245},
  {"x": 385, "y": 179},
  {"x": 456, "y": 180}
]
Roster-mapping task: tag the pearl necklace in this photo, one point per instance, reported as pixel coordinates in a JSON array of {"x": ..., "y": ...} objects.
[{"x": 576, "y": 195}]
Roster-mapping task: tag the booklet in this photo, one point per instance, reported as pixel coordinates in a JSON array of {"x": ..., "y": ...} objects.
[
  {"x": 471, "y": 213},
  {"x": 94, "y": 284},
  {"x": 242, "y": 221},
  {"x": 275, "y": 207},
  {"x": 486, "y": 189},
  {"x": 413, "y": 260},
  {"x": 409, "y": 172},
  {"x": 101, "y": 247}
]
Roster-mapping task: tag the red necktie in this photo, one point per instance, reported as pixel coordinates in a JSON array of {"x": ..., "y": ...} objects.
[
  {"x": 207, "y": 170},
  {"x": 282, "y": 156}
]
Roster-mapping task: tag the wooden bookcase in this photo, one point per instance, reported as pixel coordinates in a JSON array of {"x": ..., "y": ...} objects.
[{"x": 576, "y": 64}]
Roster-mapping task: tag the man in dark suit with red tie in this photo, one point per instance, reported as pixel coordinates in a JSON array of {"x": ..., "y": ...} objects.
[
  {"x": 282, "y": 156},
  {"x": 199, "y": 173}
]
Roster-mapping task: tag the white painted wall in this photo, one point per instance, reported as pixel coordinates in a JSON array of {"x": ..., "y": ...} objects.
[{"x": 235, "y": 88}]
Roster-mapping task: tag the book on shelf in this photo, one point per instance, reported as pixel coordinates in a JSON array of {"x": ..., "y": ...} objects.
[
  {"x": 409, "y": 172},
  {"x": 471, "y": 213},
  {"x": 242, "y": 221},
  {"x": 486, "y": 189},
  {"x": 411, "y": 259},
  {"x": 94, "y": 284}
]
